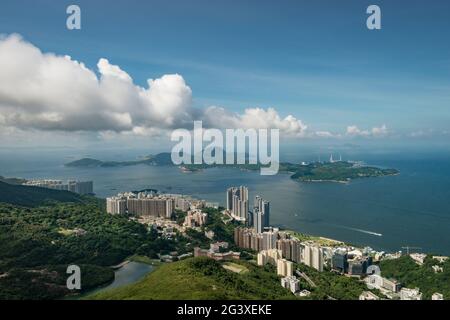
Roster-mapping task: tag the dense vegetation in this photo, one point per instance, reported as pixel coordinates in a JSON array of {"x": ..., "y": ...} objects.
[
  {"x": 222, "y": 231},
  {"x": 331, "y": 285},
  {"x": 34, "y": 196},
  {"x": 202, "y": 278},
  {"x": 36, "y": 241},
  {"x": 411, "y": 275},
  {"x": 37, "y": 245},
  {"x": 42, "y": 231},
  {"x": 49, "y": 282},
  {"x": 340, "y": 171}
]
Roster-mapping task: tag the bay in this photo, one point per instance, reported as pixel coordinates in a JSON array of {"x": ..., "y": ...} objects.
[{"x": 411, "y": 209}]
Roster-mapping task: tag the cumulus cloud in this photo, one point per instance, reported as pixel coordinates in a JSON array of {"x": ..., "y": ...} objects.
[
  {"x": 354, "y": 131},
  {"x": 257, "y": 118},
  {"x": 45, "y": 91}
]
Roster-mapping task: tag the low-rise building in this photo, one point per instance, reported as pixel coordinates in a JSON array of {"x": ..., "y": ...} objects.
[
  {"x": 218, "y": 256},
  {"x": 437, "y": 296},
  {"x": 303, "y": 293},
  {"x": 418, "y": 258},
  {"x": 441, "y": 259},
  {"x": 195, "y": 218},
  {"x": 217, "y": 246},
  {"x": 367, "y": 295},
  {"x": 437, "y": 269},
  {"x": 410, "y": 294},
  {"x": 375, "y": 281},
  {"x": 209, "y": 234}
]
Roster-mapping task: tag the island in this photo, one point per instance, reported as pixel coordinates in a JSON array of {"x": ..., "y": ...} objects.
[
  {"x": 333, "y": 171},
  {"x": 340, "y": 171},
  {"x": 153, "y": 160},
  {"x": 337, "y": 171}
]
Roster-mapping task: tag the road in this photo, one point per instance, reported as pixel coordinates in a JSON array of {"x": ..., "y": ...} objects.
[{"x": 308, "y": 279}]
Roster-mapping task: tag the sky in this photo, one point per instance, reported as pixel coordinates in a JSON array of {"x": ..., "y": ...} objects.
[{"x": 310, "y": 68}]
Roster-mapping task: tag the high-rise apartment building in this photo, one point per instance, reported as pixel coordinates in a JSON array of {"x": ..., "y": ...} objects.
[
  {"x": 249, "y": 239},
  {"x": 261, "y": 213},
  {"x": 237, "y": 202},
  {"x": 313, "y": 256},
  {"x": 285, "y": 268}
]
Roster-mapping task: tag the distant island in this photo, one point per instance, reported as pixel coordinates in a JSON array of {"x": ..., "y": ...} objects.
[
  {"x": 333, "y": 171},
  {"x": 341, "y": 171},
  {"x": 156, "y": 160},
  {"x": 337, "y": 171}
]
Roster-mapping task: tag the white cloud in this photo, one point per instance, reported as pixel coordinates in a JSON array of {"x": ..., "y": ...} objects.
[
  {"x": 380, "y": 131},
  {"x": 254, "y": 118},
  {"x": 45, "y": 91},
  {"x": 354, "y": 131},
  {"x": 325, "y": 134}
]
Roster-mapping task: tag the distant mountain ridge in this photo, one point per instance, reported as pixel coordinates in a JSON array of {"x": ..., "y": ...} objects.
[{"x": 12, "y": 180}]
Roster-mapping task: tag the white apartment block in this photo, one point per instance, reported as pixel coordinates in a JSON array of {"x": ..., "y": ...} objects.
[
  {"x": 285, "y": 268},
  {"x": 269, "y": 256},
  {"x": 291, "y": 283},
  {"x": 375, "y": 281},
  {"x": 141, "y": 204},
  {"x": 313, "y": 256}
]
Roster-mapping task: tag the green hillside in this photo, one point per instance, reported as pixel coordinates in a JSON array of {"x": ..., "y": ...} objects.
[
  {"x": 34, "y": 196},
  {"x": 12, "y": 180},
  {"x": 202, "y": 278},
  {"x": 411, "y": 275},
  {"x": 38, "y": 242}
]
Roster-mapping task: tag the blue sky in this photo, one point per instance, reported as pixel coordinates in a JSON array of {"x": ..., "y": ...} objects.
[{"x": 315, "y": 60}]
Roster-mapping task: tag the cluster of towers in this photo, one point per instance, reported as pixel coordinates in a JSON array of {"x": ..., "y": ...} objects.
[
  {"x": 238, "y": 206},
  {"x": 237, "y": 202}
]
